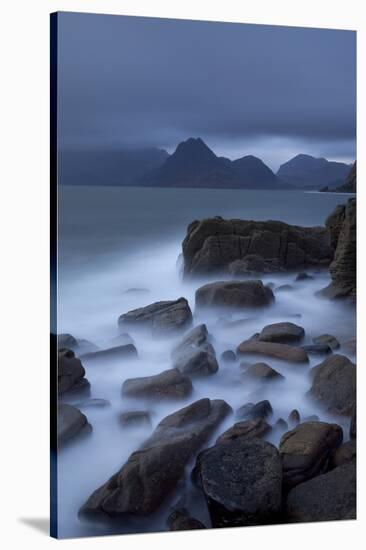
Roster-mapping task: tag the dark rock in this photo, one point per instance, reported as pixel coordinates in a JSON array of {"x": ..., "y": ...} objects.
[
  {"x": 192, "y": 340},
  {"x": 180, "y": 520},
  {"x": 345, "y": 454},
  {"x": 95, "y": 403},
  {"x": 246, "y": 429},
  {"x": 306, "y": 451},
  {"x": 66, "y": 341},
  {"x": 241, "y": 481},
  {"x": 236, "y": 294},
  {"x": 284, "y": 288},
  {"x": 70, "y": 423},
  {"x": 303, "y": 276},
  {"x": 117, "y": 352},
  {"x": 261, "y": 371},
  {"x": 334, "y": 384},
  {"x": 228, "y": 356},
  {"x": 151, "y": 474},
  {"x": 130, "y": 419},
  {"x": 199, "y": 362},
  {"x": 281, "y": 424},
  {"x": 254, "y": 265},
  {"x": 71, "y": 374},
  {"x": 353, "y": 424},
  {"x": 160, "y": 317},
  {"x": 318, "y": 349},
  {"x": 278, "y": 351},
  {"x": 169, "y": 384},
  {"x": 327, "y": 497},
  {"x": 294, "y": 417},
  {"x": 211, "y": 245},
  {"x": 342, "y": 223},
  {"x": 282, "y": 333},
  {"x": 262, "y": 409},
  {"x": 327, "y": 340}
]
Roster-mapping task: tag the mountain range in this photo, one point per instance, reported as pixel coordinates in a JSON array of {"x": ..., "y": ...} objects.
[{"x": 194, "y": 164}]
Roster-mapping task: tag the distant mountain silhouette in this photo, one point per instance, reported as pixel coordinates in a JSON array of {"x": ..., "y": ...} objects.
[
  {"x": 108, "y": 167},
  {"x": 349, "y": 186},
  {"x": 307, "y": 171},
  {"x": 194, "y": 164}
]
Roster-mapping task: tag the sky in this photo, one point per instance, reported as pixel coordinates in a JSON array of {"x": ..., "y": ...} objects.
[{"x": 269, "y": 91}]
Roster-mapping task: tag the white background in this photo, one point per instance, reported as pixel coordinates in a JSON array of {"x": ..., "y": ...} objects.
[{"x": 24, "y": 287}]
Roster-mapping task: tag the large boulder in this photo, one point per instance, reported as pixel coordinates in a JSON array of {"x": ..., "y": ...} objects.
[
  {"x": 278, "y": 351},
  {"x": 151, "y": 474},
  {"x": 213, "y": 244},
  {"x": 71, "y": 374},
  {"x": 194, "y": 355},
  {"x": 242, "y": 482},
  {"x": 256, "y": 427},
  {"x": 169, "y": 384},
  {"x": 282, "y": 333},
  {"x": 327, "y": 497},
  {"x": 307, "y": 449},
  {"x": 342, "y": 227},
  {"x": 235, "y": 294},
  {"x": 334, "y": 384},
  {"x": 262, "y": 372},
  {"x": 70, "y": 423},
  {"x": 160, "y": 317}
]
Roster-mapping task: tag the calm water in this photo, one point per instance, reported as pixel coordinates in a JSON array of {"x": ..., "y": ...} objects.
[{"x": 114, "y": 239}]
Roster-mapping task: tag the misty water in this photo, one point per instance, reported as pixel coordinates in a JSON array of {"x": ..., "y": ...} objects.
[{"x": 115, "y": 239}]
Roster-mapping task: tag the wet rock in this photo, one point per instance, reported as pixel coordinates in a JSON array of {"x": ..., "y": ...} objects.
[
  {"x": 345, "y": 454},
  {"x": 327, "y": 340},
  {"x": 294, "y": 417},
  {"x": 130, "y": 419},
  {"x": 334, "y": 384},
  {"x": 199, "y": 362},
  {"x": 262, "y": 409},
  {"x": 241, "y": 481},
  {"x": 303, "y": 276},
  {"x": 180, "y": 520},
  {"x": 246, "y": 429},
  {"x": 342, "y": 224},
  {"x": 282, "y": 333},
  {"x": 117, "y": 352},
  {"x": 160, "y": 317},
  {"x": 254, "y": 265},
  {"x": 70, "y": 423},
  {"x": 281, "y": 424},
  {"x": 327, "y": 497},
  {"x": 94, "y": 403},
  {"x": 211, "y": 245},
  {"x": 66, "y": 340},
  {"x": 228, "y": 356},
  {"x": 261, "y": 371},
  {"x": 192, "y": 340},
  {"x": 353, "y": 427},
  {"x": 318, "y": 349},
  {"x": 169, "y": 384},
  {"x": 151, "y": 474},
  {"x": 71, "y": 374},
  {"x": 237, "y": 294},
  {"x": 284, "y": 288},
  {"x": 306, "y": 451},
  {"x": 278, "y": 351}
]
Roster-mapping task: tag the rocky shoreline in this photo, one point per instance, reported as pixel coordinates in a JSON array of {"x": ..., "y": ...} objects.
[{"x": 242, "y": 477}]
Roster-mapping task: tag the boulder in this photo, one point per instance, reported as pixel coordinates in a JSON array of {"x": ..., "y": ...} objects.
[
  {"x": 159, "y": 317},
  {"x": 294, "y": 417},
  {"x": 252, "y": 411},
  {"x": 261, "y": 371},
  {"x": 253, "y": 265},
  {"x": 318, "y": 349},
  {"x": 257, "y": 427},
  {"x": 199, "y": 362},
  {"x": 342, "y": 227},
  {"x": 327, "y": 497},
  {"x": 285, "y": 288},
  {"x": 228, "y": 356},
  {"x": 327, "y": 340},
  {"x": 191, "y": 341},
  {"x": 334, "y": 384},
  {"x": 282, "y": 333},
  {"x": 180, "y": 520},
  {"x": 345, "y": 454},
  {"x": 281, "y": 424},
  {"x": 241, "y": 481},
  {"x": 117, "y": 352},
  {"x": 71, "y": 374},
  {"x": 169, "y": 384},
  {"x": 130, "y": 419},
  {"x": 306, "y": 451},
  {"x": 70, "y": 423},
  {"x": 235, "y": 294},
  {"x": 80, "y": 345},
  {"x": 151, "y": 474},
  {"x": 270, "y": 349},
  {"x": 213, "y": 244}
]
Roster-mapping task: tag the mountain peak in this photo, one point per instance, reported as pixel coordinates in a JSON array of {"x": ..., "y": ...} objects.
[{"x": 196, "y": 147}]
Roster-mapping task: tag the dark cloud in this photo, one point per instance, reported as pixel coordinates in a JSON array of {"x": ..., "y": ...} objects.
[{"x": 128, "y": 81}]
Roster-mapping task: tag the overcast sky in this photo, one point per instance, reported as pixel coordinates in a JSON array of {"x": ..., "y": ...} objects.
[{"x": 245, "y": 89}]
